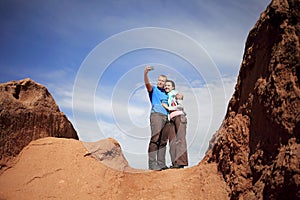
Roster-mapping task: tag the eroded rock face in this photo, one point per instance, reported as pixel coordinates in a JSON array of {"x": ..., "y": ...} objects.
[
  {"x": 28, "y": 112},
  {"x": 257, "y": 147},
  {"x": 109, "y": 152}
]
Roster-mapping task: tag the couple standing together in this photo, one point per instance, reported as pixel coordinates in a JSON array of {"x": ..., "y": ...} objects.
[{"x": 168, "y": 123}]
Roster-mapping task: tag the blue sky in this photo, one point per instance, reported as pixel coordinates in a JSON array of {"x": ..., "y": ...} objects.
[{"x": 64, "y": 46}]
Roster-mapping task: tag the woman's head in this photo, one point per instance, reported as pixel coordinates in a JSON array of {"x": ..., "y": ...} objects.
[{"x": 169, "y": 86}]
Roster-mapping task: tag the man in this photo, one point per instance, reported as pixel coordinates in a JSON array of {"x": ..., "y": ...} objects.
[{"x": 158, "y": 119}]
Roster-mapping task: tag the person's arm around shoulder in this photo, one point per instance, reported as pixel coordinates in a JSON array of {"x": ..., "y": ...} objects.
[
  {"x": 146, "y": 79},
  {"x": 165, "y": 106},
  {"x": 172, "y": 108}
]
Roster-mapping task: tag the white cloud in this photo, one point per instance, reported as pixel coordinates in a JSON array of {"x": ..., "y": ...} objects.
[{"x": 220, "y": 27}]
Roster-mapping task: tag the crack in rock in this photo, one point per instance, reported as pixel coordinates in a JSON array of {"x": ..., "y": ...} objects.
[{"x": 42, "y": 176}]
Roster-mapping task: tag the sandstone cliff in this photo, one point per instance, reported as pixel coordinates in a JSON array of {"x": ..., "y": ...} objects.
[
  {"x": 28, "y": 112},
  {"x": 257, "y": 148}
]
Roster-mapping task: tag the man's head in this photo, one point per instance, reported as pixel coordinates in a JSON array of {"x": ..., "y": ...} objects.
[
  {"x": 169, "y": 86},
  {"x": 161, "y": 81}
]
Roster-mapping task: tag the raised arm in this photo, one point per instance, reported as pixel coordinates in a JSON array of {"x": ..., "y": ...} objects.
[{"x": 146, "y": 79}]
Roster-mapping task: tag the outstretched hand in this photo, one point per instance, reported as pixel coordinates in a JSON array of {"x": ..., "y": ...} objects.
[{"x": 147, "y": 69}]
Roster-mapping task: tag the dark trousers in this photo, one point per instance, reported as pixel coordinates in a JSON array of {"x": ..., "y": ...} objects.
[
  {"x": 157, "y": 122},
  {"x": 177, "y": 140},
  {"x": 168, "y": 128}
]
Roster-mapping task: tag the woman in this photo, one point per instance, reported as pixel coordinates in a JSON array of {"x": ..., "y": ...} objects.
[{"x": 177, "y": 132}]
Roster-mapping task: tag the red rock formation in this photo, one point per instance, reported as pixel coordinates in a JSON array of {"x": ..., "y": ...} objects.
[
  {"x": 257, "y": 148},
  {"x": 109, "y": 153},
  {"x": 56, "y": 168},
  {"x": 28, "y": 112}
]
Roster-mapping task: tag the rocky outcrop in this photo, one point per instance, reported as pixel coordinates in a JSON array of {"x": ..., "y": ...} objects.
[
  {"x": 28, "y": 112},
  {"x": 257, "y": 147},
  {"x": 57, "y": 168},
  {"x": 109, "y": 153}
]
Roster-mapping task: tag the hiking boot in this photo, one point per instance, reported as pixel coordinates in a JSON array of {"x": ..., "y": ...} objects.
[
  {"x": 154, "y": 167},
  {"x": 164, "y": 168},
  {"x": 177, "y": 166}
]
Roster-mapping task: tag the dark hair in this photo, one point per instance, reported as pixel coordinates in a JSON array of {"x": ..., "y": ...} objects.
[{"x": 172, "y": 82}]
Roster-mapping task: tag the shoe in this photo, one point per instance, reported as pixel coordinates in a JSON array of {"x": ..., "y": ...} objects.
[
  {"x": 154, "y": 167},
  {"x": 164, "y": 168},
  {"x": 177, "y": 166}
]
